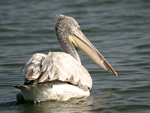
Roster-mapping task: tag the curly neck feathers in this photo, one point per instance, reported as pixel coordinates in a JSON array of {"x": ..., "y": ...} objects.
[{"x": 63, "y": 31}]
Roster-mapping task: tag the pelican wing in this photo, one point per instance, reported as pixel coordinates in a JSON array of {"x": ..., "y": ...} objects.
[
  {"x": 57, "y": 66},
  {"x": 32, "y": 68}
]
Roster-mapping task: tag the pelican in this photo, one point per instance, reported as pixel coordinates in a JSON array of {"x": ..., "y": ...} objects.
[{"x": 60, "y": 75}]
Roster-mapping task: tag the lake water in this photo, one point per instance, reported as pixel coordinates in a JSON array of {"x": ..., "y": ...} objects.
[{"x": 120, "y": 30}]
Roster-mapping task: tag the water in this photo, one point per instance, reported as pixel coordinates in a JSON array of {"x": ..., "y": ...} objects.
[{"x": 119, "y": 30}]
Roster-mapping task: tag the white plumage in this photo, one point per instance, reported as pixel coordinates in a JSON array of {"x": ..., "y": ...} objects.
[{"x": 50, "y": 91}]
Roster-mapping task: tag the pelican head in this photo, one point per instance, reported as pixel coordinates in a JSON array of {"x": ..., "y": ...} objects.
[{"x": 68, "y": 33}]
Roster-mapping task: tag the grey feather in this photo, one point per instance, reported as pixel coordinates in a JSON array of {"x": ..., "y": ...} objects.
[{"x": 57, "y": 66}]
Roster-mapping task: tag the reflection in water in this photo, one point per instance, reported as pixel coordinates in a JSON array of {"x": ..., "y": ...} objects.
[
  {"x": 74, "y": 105},
  {"x": 101, "y": 101},
  {"x": 113, "y": 89}
]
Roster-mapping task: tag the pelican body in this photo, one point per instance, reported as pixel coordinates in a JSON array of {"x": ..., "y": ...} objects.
[{"x": 60, "y": 75}]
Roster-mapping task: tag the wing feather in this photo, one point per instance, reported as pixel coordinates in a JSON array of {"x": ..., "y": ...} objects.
[
  {"x": 70, "y": 70},
  {"x": 32, "y": 68},
  {"x": 57, "y": 66}
]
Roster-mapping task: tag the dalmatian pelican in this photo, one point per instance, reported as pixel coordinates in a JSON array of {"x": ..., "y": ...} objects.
[{"x": 60, "y": 75}]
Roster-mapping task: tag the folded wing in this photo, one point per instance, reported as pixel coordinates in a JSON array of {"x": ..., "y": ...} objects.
[{"x": 56, "y": 66}]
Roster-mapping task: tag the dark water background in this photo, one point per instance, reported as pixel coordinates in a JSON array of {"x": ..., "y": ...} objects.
[{"x": 120, "y": 29}]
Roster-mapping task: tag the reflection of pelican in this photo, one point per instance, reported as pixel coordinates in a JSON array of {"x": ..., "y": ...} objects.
[{"x": 60, "y": 75}]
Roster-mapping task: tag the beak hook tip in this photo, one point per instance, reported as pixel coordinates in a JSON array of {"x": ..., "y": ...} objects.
[{"x": 116, "y": 74}]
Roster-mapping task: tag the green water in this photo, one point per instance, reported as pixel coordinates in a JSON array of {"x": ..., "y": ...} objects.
[{"x": 119, "y": 29}]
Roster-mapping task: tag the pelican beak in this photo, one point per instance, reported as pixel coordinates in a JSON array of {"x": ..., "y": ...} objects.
[{"x": 80, "y": 41}]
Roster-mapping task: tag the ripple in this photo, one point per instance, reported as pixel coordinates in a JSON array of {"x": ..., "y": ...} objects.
[{"x": 118, "y": 29}]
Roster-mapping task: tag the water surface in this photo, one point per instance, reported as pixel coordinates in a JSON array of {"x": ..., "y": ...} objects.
[{"x": 118, "y": 29}]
